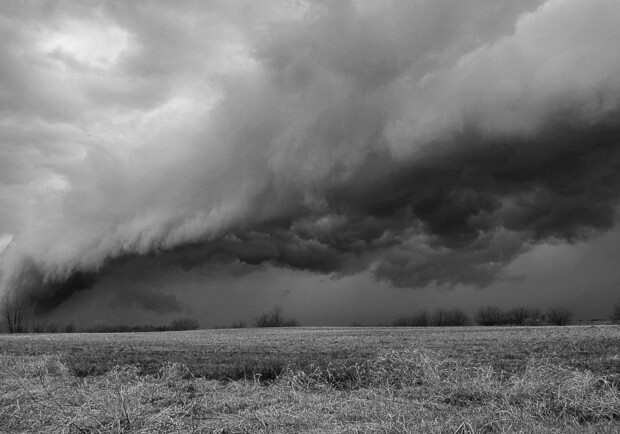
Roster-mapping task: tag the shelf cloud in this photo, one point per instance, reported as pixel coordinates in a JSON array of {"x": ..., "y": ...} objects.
[{"x": 425, "y": 141}]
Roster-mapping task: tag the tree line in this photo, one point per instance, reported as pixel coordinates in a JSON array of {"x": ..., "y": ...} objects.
[
  {"x": 490, "y": 316},
  {"x": 177, "y": 324},
  {"x": 18, "y": 315},
  {"x": 18, "y": 319},
  {"x": 487, "y": 316}
]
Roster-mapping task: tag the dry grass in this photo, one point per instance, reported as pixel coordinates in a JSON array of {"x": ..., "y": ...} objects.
[
  {"x": 410, "y": 391},
  {"x": 242, "y": 353}
]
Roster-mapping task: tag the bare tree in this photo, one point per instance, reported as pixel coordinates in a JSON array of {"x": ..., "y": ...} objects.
[
  {"x": 456, "y": 317},
  {"x": 275, "y": 318},
  {"x": 419, "y": 319},
  {"x": 518, "y": 315},
  {"x": 559, "y": 315},
  {"x": 536, "y": 317},
  {"x": 17, "y": 312},
  {"x": 449, "y": 318},
  {"x": 489, "y": 316},
  {"x": 184, "y": 324}
]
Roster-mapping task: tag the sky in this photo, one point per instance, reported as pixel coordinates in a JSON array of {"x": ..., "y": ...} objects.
[{"x": 349, "y": 161}]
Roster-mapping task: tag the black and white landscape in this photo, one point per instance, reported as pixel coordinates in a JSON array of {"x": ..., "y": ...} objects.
[{"x": 349, "y": 161}]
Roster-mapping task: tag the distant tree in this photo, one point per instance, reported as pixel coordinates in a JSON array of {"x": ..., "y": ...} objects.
[
  {"x": 419, "y": 319},
  {"x": 184, "y": 324},
  {"x": 402, "y": 321},
  {"x": 265, "y": 320},
  {"x": 458, "y": 318},
  {"x": 517, "y": 315},
  {"x": 449, "y": 318},
  {"x": 17, "y": 312},
  {"x": 439, "y": 318},
  {"x": 559, "y": 315},
  {"x": 489, "y": 316},
  {"x": 38, "y": 328},
  {"x": 291, "y": 323},
  {"x": 536, "y": 317},
  {"x": 51, "y": 328},
  {"x": 275, "y": 318}
]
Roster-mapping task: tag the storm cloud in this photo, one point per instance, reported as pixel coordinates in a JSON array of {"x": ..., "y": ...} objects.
[{"x": 425, "y": 141}]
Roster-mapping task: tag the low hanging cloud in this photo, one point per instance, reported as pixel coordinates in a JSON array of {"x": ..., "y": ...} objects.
[
  {"x": 427, "y": 141},
  {"x": 147, "y": 300}
]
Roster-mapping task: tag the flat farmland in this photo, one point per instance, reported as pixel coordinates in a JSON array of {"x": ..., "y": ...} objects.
[
  {"x": 238, "y": 353},
  {"x": 314, "y": 380}
]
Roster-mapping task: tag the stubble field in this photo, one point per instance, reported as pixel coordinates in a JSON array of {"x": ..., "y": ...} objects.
[{"x": 390, "y": 380}]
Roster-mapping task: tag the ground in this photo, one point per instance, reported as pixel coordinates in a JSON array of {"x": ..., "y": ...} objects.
[{"x": 456, "y": 380}]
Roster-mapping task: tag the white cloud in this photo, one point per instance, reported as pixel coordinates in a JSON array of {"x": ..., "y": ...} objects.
[
  {"x": 5, "y": 240},
  {"x": 556, "y": 63},
  {"x": 132, "y": 127},
  {"x": 81, "y": 43}
]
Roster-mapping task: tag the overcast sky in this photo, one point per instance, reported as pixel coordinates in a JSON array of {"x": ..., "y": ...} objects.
[{"x": 350, "y": 161}]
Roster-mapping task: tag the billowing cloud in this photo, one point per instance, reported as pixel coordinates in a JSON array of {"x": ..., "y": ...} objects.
[{"x": 427, "y": 141}]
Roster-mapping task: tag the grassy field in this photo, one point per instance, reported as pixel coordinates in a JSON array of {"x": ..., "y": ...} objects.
[{"x": 388, "y": 380}]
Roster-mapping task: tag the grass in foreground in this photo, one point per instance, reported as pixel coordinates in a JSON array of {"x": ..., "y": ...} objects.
[{"x": 412, "y": 391}]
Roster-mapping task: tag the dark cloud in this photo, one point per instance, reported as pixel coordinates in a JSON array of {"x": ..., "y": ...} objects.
[
  {"x": 276, "y": 246},
  {"x": 424, "y": 141},
  {"x": 44, "y": 295},
  {"x": 458, "y": 215},
  {"x": 147, "y": 300}
]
